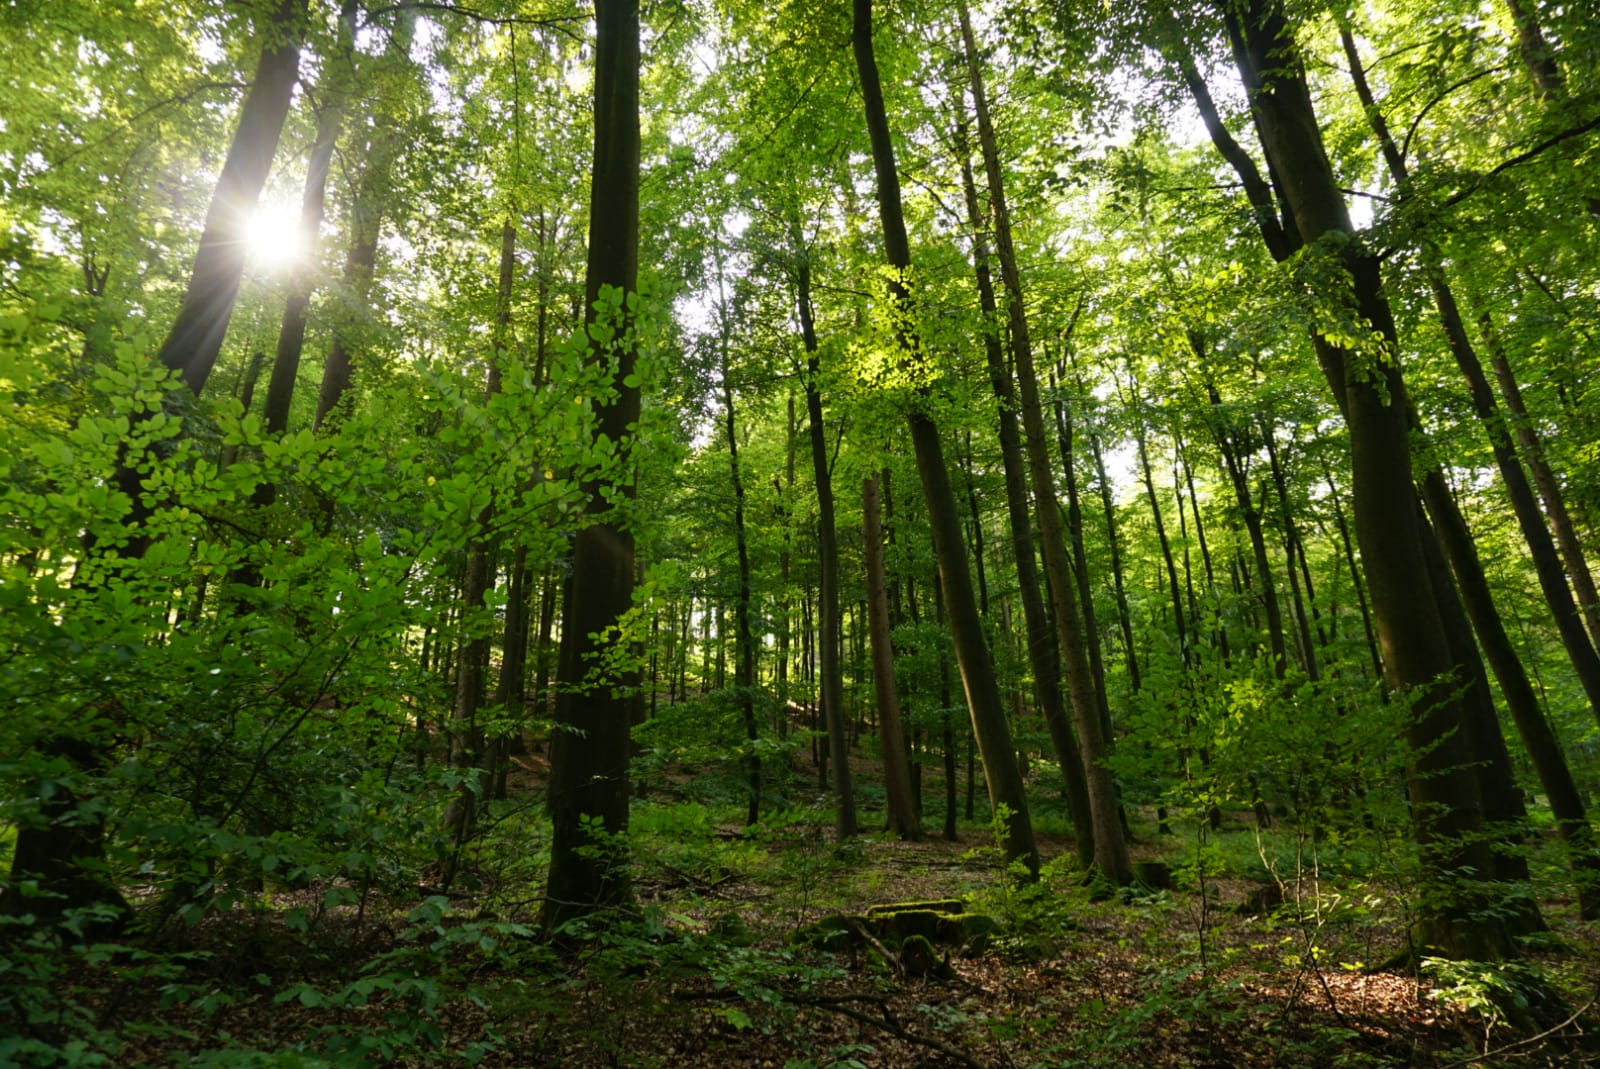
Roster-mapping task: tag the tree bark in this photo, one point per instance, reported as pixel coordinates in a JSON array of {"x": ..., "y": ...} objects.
[
  {"x": 891, "y": 738},
  {"x": 1110, "y": 847},
  {"x": 61, "y": 852},
  {"x": 588, "y": 792},
  {"x": 292, "y": 332},
  {"x": 1043, "y": 653},
  {"x": 1448, "y": 809},
  {"x": 832, "y": 672},
  {"x": 1006, "y": 792},
  {"x": 744, "y": 641},
  {"x": 191, "y": 347},
  {"x": 466, "y": 737},
  {"x": 1541, "y": 547},
  {"x": 1549, "y": 486}
]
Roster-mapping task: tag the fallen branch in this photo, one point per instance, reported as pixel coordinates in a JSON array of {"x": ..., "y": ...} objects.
[
  {"x": 897, "y": 966},
  {"x": 1526, "y": 1041},
  {"x": 890, "y": 1025}
]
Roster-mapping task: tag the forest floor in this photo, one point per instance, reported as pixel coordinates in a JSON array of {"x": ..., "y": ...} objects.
[{"x": 1267, "y": 952}]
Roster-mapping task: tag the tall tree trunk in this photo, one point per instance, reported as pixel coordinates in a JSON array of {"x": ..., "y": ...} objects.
[
  {"x": 292, "y": 332},
  {"x": 1043, "y": 655},
  {"x": 510, "y": 689},
  {"x": 896, "y": 776},
  {"x": 1447, "y": 807},
  {"x": 1080, "y": 567},
  {"x": 466, "y": 752},
  {"x": 372, "y": 193},
  {"x": 1231, "y": 444},
  {"x": 832, "y": 672},
  {"x": 1006, "y": 790},
  {"x": 191, "y": 347},
  {"x": 1537, "y": 56},
  {"x": 744, "y": 640},
  {"x": 62, "y": 850},
  {"x": 1547, "y": 562},
  {"x": 1174, "y": 591},
  {"x": 1110, "y": 847},
  {"x": 1544, "y": 478},
  {"x": 594, "y": 704},
  {"x": 1291, "y": 545},
  {"x": 1118, "y": 585}
]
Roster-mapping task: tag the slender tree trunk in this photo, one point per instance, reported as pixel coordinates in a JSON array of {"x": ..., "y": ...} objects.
[
  {"x": 1006, "y": 790},
  {"x": 466, "y": 753},
  {"x": 1118, "y": 586},
  {"x": 1043, "y": 655},
  {"x": 1110, "y": 847},
  {"x": 510, "y": 688},
  {"x": 1291, "y": 543},
  {"x": 372, "y": 193},
  {"x": 897, "y": 777},
  {"x": 1080, "y": 567},
  {"x": 192, "y": 345},
  {"x": 1174, "y": 591},
  {"x": 1234, "y": 463},
  {"x": 594, "y": 704},
  {"x": 744, "y": 641},
  {"x": 832, "y": 672},
  {"x": 292, "y": 332},
  {"x": 1555, "y": 505},
  {"x": 62, "y": 851}
]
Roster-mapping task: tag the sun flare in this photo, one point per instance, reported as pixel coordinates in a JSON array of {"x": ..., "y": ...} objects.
[{"x": 273, "y": 238}]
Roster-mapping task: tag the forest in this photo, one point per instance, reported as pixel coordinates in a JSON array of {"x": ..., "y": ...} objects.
[{"x": 988, "y": 533}]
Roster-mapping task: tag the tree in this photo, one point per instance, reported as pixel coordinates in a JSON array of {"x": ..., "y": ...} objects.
[
  {"x": 1006, "y": 789},
  {"x": 594, "y": 700}
]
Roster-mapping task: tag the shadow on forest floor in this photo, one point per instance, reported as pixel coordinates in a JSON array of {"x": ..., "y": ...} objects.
[{"x": 1222, "y": 970}]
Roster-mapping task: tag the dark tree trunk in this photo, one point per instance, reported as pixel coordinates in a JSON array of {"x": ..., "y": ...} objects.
[
  {"x": 1110, "y": 848},
  {"x": 832, "y": 672},
  {"x": 1080, "y": 567},
  {"x": 372, "y": 193},
  {"x": 1118, "y": 586},
  {"x": 466, "y": 749},
  {"x": 292, "y": 332},
  {"x": 1043, "y": 654},
  {"x": 1231, "y": 443},
  {"x": 1291, "y": 546},
  {"x": 1447, "y": 806},
  {"x": 1541, "y": 547},
  {"x": 1555, "y": 504},
  {"x": 594, "y": 705},
  {"x": 1537, "y": 55},
  {"x": 966, "y": 627},
  {"x": 192, "y": 345},
  {"x": 744, "y": 640},
  {"x": 62, "y": 851},
  {"x": 510, "y": 690},
  {"x": 897, "y": 777}
]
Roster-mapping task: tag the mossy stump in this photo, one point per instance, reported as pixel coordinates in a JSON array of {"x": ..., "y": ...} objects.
[{"x": 936, "y": 923}]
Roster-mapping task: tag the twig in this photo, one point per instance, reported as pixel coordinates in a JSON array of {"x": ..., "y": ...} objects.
[
  {"x": 872, "y": 941},
  {"x": 894, "y": 1028},
  {"x": 1527, "y": 1041}
]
